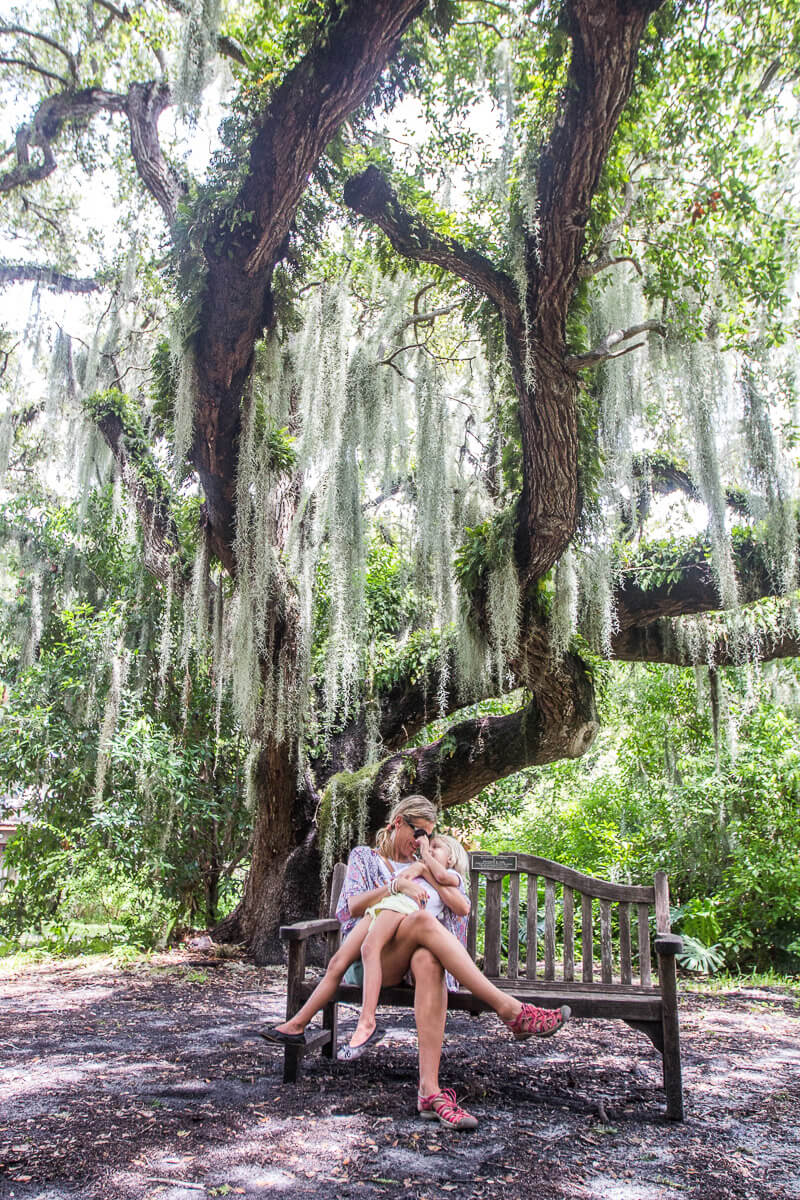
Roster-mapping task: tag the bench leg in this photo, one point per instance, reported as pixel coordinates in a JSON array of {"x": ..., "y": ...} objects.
[
  {"x": 292, "y": 1058},
  {"x": 673, "y": 1085},
  {"x": 293, "y": 1055},
  {"x": 330, "y": 1013},
  {"x": 330, "y": 1020}
]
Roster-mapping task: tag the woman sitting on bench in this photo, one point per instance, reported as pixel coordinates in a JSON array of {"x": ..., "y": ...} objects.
[{"x": 423, "y": 951}]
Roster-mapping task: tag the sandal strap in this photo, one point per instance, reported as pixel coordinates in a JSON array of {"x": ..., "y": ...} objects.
[
  {"x": 531, "y": 1019},
  {"x": 444, "y": 1104}
]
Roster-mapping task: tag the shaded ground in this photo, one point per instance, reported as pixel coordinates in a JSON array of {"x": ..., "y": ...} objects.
[{"x": 150, "y": 1082}]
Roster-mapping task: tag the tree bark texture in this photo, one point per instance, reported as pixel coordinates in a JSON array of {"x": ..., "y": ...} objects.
[{"x": 283, "y": 880}]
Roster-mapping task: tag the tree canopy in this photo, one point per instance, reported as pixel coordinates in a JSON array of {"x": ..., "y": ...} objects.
[{"x": 443, "y": 351}]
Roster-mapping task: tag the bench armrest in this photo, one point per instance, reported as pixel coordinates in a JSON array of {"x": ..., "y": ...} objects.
[
  {"x": 668, "y": 944},
  {"x": 302, "y": 930}
]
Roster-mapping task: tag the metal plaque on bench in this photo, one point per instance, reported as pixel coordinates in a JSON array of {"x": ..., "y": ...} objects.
[{"x": 493, "y": 862}]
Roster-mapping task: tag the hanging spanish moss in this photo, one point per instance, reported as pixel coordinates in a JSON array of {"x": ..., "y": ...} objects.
[
  {"x": 7, "y": 431},
  {"x": 709, "y": 381},
  {"x": 619, "y": 306},
  {"x": 342, "y": 816},
  {"x": 120, "y": 663},
  {"x": 434, "y": 490},
  {"x": 200, "y": 592},
  {"x": 165, "y": 646},
  {"x": 183, "y": 365},
  {"x": 564, "y": 615},
  {"x": 598, "y": 619},
  {"x": 37, "y": 615},
  {"x": 504, "y": 617},
  {"x": 61, "y": 384},
  {"x": 198, "y": 49},
  {"x": 769, "y": 477}
]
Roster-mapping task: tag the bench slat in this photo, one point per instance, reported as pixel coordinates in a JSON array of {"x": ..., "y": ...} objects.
[
  {"x": 532, "y": 946},
  {"x": 569, "y": 933},
  {"x": 643, "y": 927},
  {"x": 606, "y": 962},
  {"x": 491, "y": 945},
  {"x": 586, "y": 938},
  {"x": 513, "y": 926},
  {"x": 625, "y": 971},
  {"x": 472, "y": 927},
  {"x": 549, "y": 929}
]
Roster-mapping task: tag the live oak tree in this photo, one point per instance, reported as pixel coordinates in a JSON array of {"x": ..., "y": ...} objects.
[{"x": 430, "y": 392}]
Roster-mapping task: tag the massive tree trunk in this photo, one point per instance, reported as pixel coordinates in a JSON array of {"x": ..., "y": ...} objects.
[{"x": 283, "y": 880}]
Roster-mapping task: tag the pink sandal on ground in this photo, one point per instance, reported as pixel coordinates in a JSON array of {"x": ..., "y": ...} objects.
[
  {"x": 531, "y": 1021},
  {"x": 441, "y": 1106}
]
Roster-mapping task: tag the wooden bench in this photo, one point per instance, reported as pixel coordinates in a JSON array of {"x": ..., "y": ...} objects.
[{"x": 509, "y": 894}]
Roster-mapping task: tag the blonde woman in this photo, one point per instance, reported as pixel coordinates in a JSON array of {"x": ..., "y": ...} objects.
[{"x": 429, "y": 953}]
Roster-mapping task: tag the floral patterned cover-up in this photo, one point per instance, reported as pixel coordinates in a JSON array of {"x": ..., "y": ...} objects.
[{"x": 366, "y": 870}]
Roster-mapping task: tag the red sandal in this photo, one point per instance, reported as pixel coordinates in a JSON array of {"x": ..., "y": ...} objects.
[
  {"x": 441, "y": 1106},
  {"x": 531, "y": 1021}
]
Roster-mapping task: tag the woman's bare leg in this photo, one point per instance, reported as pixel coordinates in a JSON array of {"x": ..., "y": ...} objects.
[
  {"x": 381, "y": 931},
  {"x": 422, "y": 930},
  {"x": 430, "y": 1014},
  {"x": 325, "y": 990}
]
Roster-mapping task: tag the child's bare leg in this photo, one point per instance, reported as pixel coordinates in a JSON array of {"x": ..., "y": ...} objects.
[
  {"x": 325, "y": 990},
  {"x": 382, "y": 930}
]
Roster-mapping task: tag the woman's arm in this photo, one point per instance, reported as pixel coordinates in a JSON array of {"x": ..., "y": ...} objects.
[
  {"x": 451, "y": 893},
  {"x": 363, "y": 885},
  {"x": 436, "y": 873},
  {"x": 360, "y": 902}
]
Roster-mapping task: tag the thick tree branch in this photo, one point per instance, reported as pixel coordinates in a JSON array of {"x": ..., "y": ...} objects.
[
  {"x": 144, "y": 104},
  {"x": 370, "y": 195},
  {"x": 46, "y": 277},
  {"x": 316, "y": 96},
  {"x": 605, "y": 41},
  {"x": 606, "y": 349},
  {"x": 743, "y": 636},
  {"x": 479, "y": 751},
  {"x": 50, "y": 118},
  {"x": 688, "y": 585}
]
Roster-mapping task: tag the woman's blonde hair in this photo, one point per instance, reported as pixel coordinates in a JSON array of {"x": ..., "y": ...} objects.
[
  {"x": 416, "y": 808},
  {"x": 458, "y": 859}
]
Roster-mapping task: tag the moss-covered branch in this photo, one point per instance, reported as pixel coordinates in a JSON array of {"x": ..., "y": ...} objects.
[
  {"x": 120, "y": 425},
  {"x": 371, "y": 196}
]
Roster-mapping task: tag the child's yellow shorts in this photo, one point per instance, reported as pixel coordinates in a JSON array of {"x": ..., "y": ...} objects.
[{"x": 399, "y": 904}]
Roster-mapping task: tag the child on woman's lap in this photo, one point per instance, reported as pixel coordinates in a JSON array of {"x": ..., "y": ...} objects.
[{"x": 435, "y": 870}]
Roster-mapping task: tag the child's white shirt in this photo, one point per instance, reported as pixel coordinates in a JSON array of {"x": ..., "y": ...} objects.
[{"x": 435, "y": 903}]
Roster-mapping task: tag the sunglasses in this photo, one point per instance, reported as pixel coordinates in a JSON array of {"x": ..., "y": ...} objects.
[{"x": 418, "y": 833}]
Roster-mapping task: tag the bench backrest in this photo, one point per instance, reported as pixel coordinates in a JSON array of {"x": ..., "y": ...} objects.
[
  {"x": 538, "y": 884},
  {"x": 573, "y": 906}
]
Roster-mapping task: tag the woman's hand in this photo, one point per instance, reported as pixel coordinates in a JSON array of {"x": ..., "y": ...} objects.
[{"x": 406, "y": 883}]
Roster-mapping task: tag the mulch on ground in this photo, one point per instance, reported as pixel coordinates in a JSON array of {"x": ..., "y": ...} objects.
[{"x": 151, "y": 1082}]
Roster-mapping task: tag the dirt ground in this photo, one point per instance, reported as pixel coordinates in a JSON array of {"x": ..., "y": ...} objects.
[{"x": 150, "y": 1081}]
